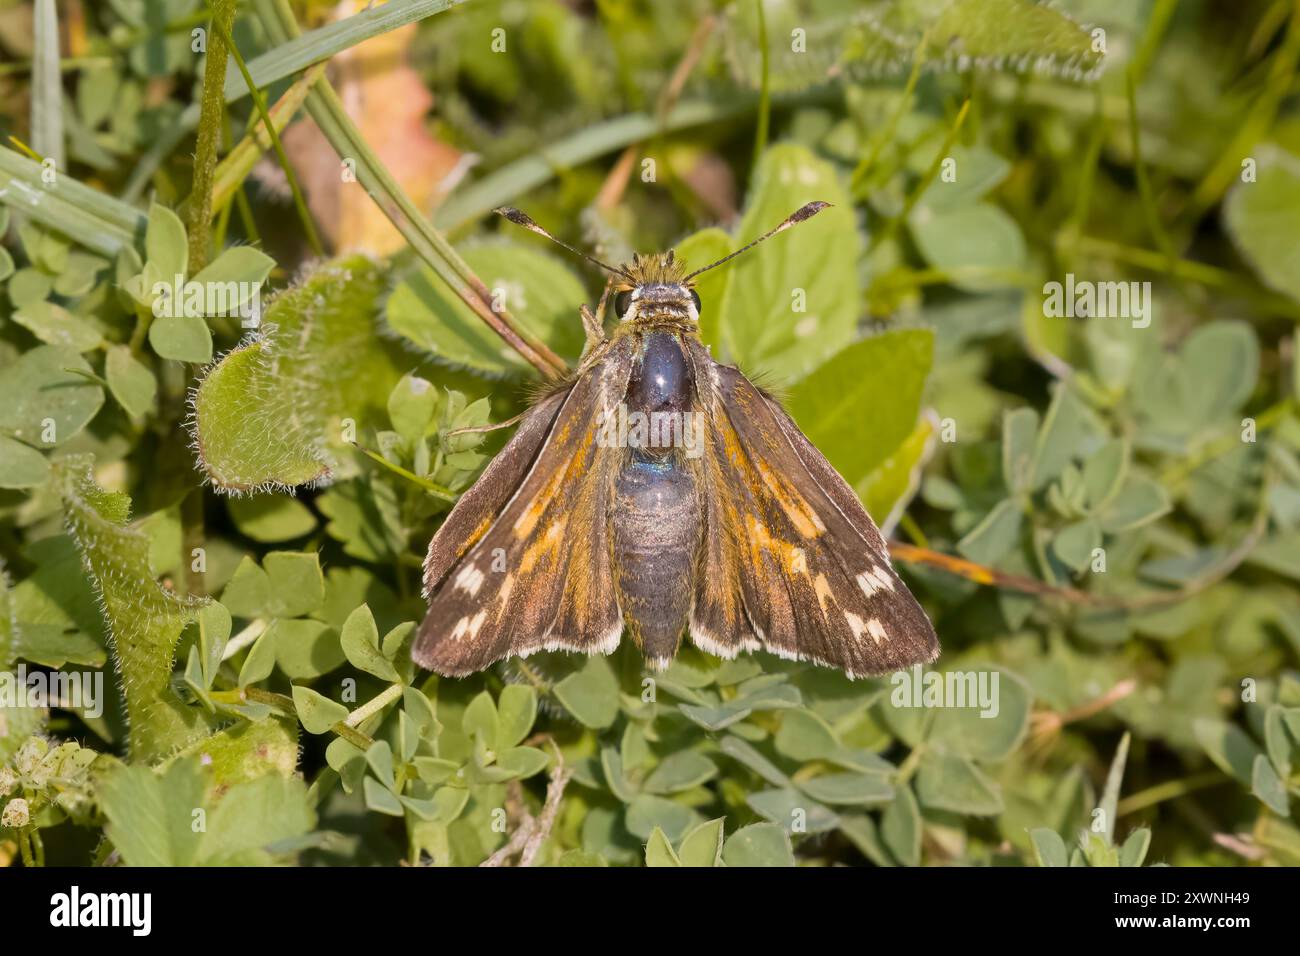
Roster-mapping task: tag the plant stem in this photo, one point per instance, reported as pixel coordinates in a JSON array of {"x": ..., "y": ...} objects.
[
  {"x": 300, "y": 204},
  {"x": 1168, "y": 790},
  {"x": 375, "y": 705},
  {"x": 432, "y": 487},
  {"x": 892, "y": 225},
  {"x": 211, "y": 112},
  {"x": 858, "y": 181},
  {"x": 765, "y": 87},
  {"x": 908, "y": 767}
]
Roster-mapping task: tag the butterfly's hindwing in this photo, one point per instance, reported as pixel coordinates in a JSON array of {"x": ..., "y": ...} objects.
[
  {"x": 537, "y": 574},
  {"x": 791, "y": 562}
]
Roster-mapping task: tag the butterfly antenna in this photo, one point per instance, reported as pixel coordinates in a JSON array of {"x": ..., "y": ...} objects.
[
  {"x": 520, "y": 218},
  {"x": 796, "y": 217}
]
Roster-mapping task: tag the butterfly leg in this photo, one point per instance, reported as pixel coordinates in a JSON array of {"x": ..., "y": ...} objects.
[
  {"x": 474, "y": 429},
  {"x": 594, "y": 322}
]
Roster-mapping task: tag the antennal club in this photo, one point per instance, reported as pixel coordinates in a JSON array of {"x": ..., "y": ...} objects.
[
  {"x": 796, "y": 217},
  {"x": 520, "y": 218}
]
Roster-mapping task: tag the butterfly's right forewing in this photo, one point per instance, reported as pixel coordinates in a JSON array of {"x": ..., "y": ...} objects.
[
  {"x": 532, "y": 570},
  {"x": 792, "y": 563}
]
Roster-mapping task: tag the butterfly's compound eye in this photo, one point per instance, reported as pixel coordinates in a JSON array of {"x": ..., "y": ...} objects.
[
  {"x": 695, "y": 297},
  {"x": 622, "y": 302}
]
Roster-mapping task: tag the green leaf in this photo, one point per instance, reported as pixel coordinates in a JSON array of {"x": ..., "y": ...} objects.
[
  {"x": 55, "y": 325},
  {"x": 380, "y": 799},
  {"x": 253, "y": 816},
  {"x": 411, "y": 406},
  {"x": 891, "y": 485},
  {"x": 702, "y": 846},
  {"x": 900, "y": 828},
  {"x": 317, "y": 712},
  {"x": 683, "y": 770},
  {"x": 1019, "y": 436},
  {"x": 759, "y": 844},
  {"x": 150, "y": 816},
  {"x": 1140, "y": 501},
  {"x": 1049, "y": 848},
  {"x": 241, "y": 270},
  {"x": 1065, "y": 435},
  {"x": 130, "y": 381},
  {"x": 794, "y": 810},
  {"x": 696, "y": 251},
  {"x": 1110, "y": 794},
  {"x": 997, "y": 534},
  {"x": 849, "y": 788},
  {"x": 1260, "y": 217},
  {"x": 516, "y": 711},
  {"x": 43, "y": 405},
  {"x": 1104, "y": 472},
  {"x": 143, "y": 620},
  {"x": 646, "y": 812},
  {"x": 1219, "y": 364},
  {"x": 792, "y": 302},
  {"x": 248, "y": 593},
  {"x": 1268, "y": 786},
  {"x": 951, "y": 782},
  {"x": 185, "y": 338},
  {"x": 166, "y": 247},
  {"x": 480, "y": 718},
  {"x": 214, "y": 633},
  {"x": 21, "y": 466},
  {"x": 658, "y": 851},
  {"x": 271, "y": 518},
  {"x": 993, "y": 719},
  {"x": 270, "y": 413},
  {"x": 747, "y": 754},
  {"x": 360, "y": 639},
  {"x": 886, "y": 374},
  {"x": 380, "y": 759},
  {"x": 260, "y": 661},
  {"x": 535, "y": 287},
  {"x": 590, "y": 694},
  {"x": 1229, "y": 747},
  {"x": 297, "y": 586},
  {"x": 522, "y": 762},
  {"x": 1134, "y": 850},
  {"x": 976, "y": 170},
  {"x": 978, "y": 247}
]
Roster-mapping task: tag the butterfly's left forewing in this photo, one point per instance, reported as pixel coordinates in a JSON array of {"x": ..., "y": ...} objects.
[
  {"x": 538, "y": 574},
  {"x": 792, "y": 563}
]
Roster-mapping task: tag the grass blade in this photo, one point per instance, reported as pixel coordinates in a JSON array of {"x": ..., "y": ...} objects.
[
  {"x": 321, "y": 44},
  {"x": 47, "y": 85}
]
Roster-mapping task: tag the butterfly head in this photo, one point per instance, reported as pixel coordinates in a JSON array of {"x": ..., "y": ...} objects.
[{"x": 655, "y": 289}]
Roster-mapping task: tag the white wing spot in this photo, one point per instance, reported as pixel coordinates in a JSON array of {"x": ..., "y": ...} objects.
[
  {"x": 877, "y": 631},
  {"x": 469, "y": 580},
  {"x": 856, "y": 624},
  {"x": 873, "y": 580},
  {"x": 481, "y": 616}
]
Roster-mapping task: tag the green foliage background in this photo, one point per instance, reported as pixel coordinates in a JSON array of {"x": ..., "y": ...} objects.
[{"x": 1140, "y": 484}]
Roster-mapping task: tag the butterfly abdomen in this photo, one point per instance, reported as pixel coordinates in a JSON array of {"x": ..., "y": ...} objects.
[
  {"x": 656, "y": 513},
  {"x": 656, "y": 531}
]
